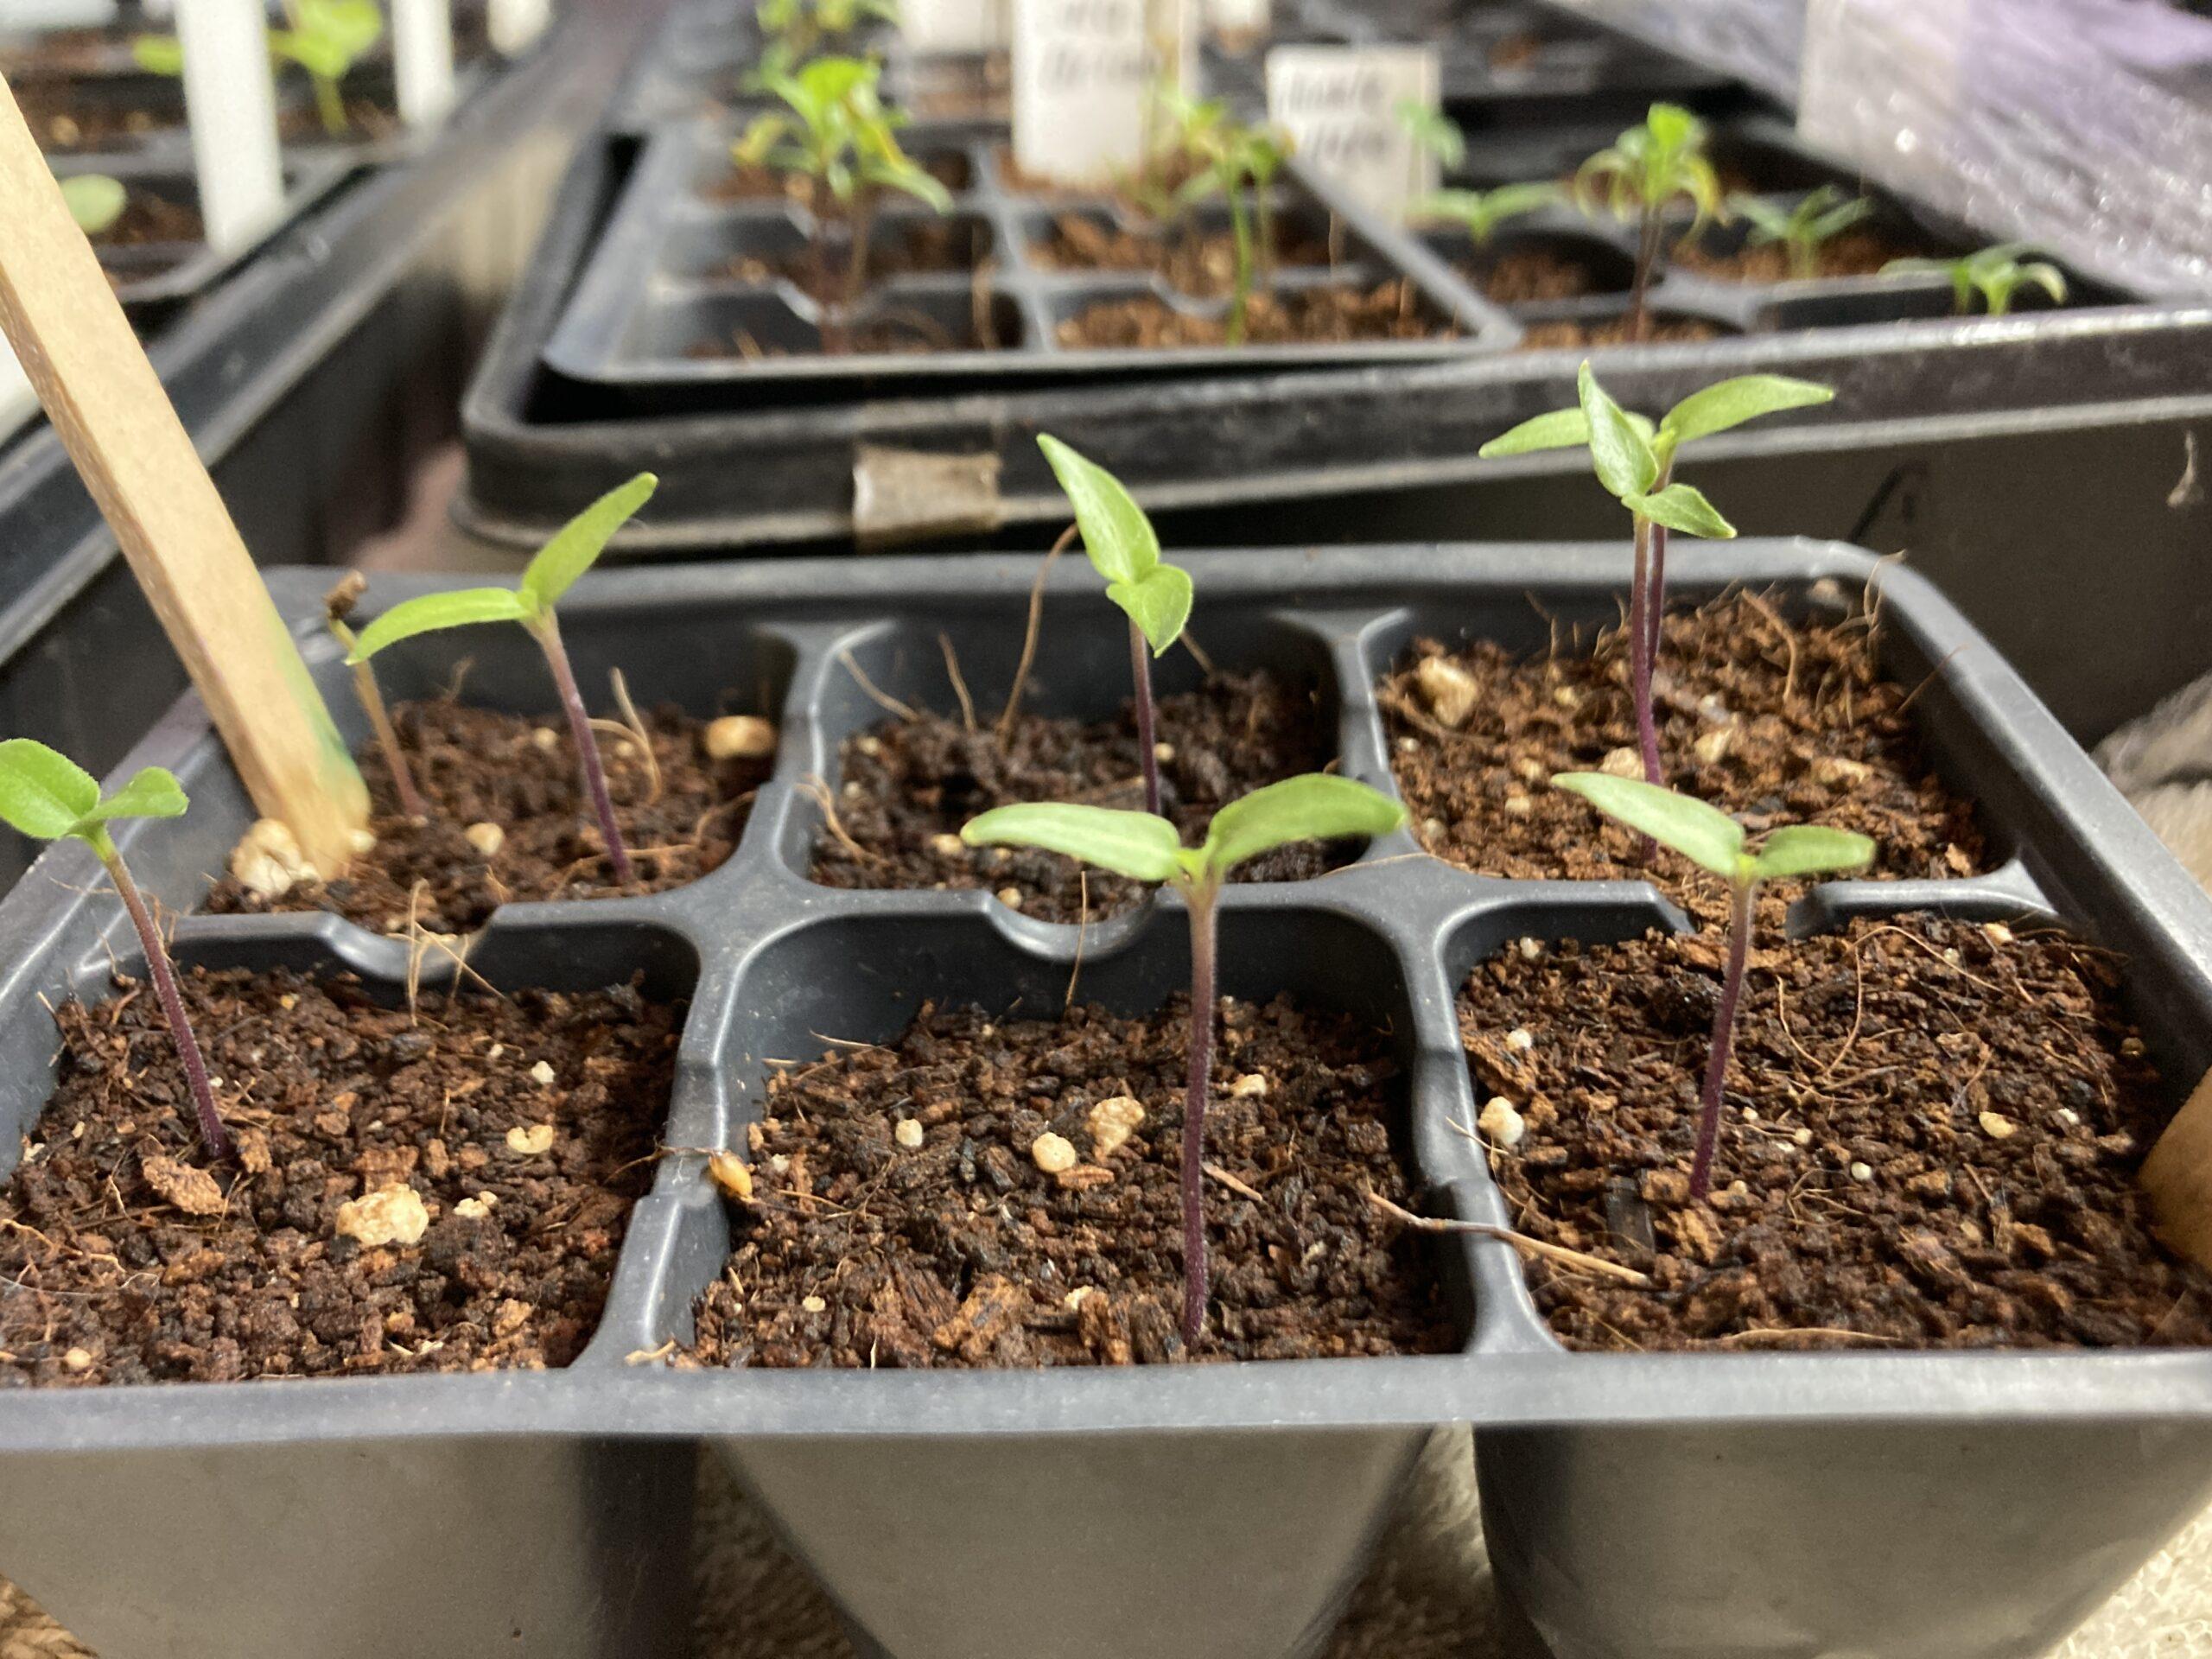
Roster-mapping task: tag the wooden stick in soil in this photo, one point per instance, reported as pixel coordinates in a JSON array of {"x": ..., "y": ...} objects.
[
  {"x": 2177, "y": 1176},
  {"x": 548, "y": 631},
  {"x": 113, "y": 415},
  {"x": 157, "y": 965}
]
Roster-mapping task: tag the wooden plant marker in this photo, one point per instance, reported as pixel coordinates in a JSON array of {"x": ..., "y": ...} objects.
[
  {"x": 2177, "y": 1176},
  {"x": 116, "y": 419}
]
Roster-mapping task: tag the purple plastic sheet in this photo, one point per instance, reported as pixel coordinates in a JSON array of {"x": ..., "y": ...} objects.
[{"x": 2083, "y": 126}]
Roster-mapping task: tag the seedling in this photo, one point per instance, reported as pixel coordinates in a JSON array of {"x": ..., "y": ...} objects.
[
  {"x": 796, "y": 29},
  {"x": 1481, "y": 212},
  {"x": 836, "y": 134},
  {"x": 550, "y": 574},
  {"x": 1803, "y": 229},
  {"x": 1707, "y": 836},
  {"x": 1433, "y": 131},
  {"x": 1635, "y": 460},
  {"x": 325, "y": 38},
  {"x": 338, "y": 605},
  {"x": 95, "y": 201},
  {"x": 1145, "y": 848},
  {"x": 48, "y": 796},
  {"x": 1239, "y": 161},
  {"x": 1996, "y": 274},
  {"x": 1639, "y": 177},
  {"x": 1125, "y": 550}
]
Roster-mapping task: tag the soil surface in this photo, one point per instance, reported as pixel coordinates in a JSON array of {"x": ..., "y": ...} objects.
[
  {"x": 1204, "y": 265},
  {"x": 962, "y": 1251},
  {"x": 1613, "y": 331},
  {"x": 1858, "y": 252},
  {"x": 1391, "y": 310},
  {"x": 130, "y": 1259},
  {"x": 1796, "y": 726},
  {"x": 909, "y": 785},
  {"x": 1948, "y": 1120},
  {"x": 148, "y": 218},
  {"x": 1529, "y": 275},
  {"x": 63, "y": 117},
  {"x": 935, "y": 244},
  {"x": 475, "y": 766}
]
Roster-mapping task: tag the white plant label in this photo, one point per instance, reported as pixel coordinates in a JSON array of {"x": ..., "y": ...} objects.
[
  {"x": 422, "y": 54},
  {"x": 56, "y": 14},
  {"x": 1085, "y": 74},
  {"x": 230, "y": 104},
  {"x": 1240, "y": 20},
  {"x": 955, "y": 25},
  {"x": 1340, "y": 105},
  {"x": 18, "y": 403},
  {"x": 515, "y": 25}
]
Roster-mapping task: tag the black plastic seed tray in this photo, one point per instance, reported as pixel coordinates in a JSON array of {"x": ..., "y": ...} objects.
[
  {"x": 1220, "y": 1509},
  {"x": 691, "y": 299},
  {"x": 908, "y": 469},
  {"x": 154, "y": 275}
]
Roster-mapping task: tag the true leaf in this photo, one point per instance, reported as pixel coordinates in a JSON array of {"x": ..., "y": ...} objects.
[
  {"x": 1159, "y": 602},
  {"x": 1134, "y": 844},
  {"x": 1620, "y": 453},
  {"x": 578, "y": 543},
  {"x": 158, "y": 55},
  {"x": 434, "y": 611},
  {"x": 1116, "y": 535},
  {"x": 44, "y": 794},
  {"x": 1319, "y": 806},
  {"x": 1679, "y": 506},
  {"x": 1731, "y": 403},
  {"x": 1808, "y": 848},
  {"x": 1704, "y": 835},
  {"x": 151, "y": 793}
]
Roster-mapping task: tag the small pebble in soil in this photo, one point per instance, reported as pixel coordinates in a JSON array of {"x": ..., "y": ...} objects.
[
  {"x": 908, "y": 1134},
  {"x": 739, "y": 737},
  {"x": 1053, "y": 1153},
  {"x": 1502, "y": 1123},
  {"x": 1112, "y": 1122},
  {"x": 486, "y": 837}
]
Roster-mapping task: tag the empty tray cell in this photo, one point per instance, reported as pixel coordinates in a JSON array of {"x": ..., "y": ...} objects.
[
  {"x": 1357, "y": 305},
  {"x": 763, "y": 248},
  {"x": 905, "y": 319},
  {"x": 1536, "y": 266},
  {"x": 951, "y": 86},
  {"x": 1589, "y": 328},
  {"x": 1195, "y": 255}
]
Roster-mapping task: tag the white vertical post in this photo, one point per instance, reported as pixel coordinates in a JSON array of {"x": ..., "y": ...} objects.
[
  {"x": 515, "y": 25},
  {"x": 421, "y": 53},
  {"x": 230, "y": 103}
]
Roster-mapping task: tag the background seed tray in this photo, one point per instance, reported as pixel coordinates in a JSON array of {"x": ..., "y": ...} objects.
[
  {"x": 152, "y": 278},
  {"x": 542, "y": 447},
  {"x": 1756, "y": 156},
  {"x": 774, "y": 965},
  {"x": 670, "y": 275}
]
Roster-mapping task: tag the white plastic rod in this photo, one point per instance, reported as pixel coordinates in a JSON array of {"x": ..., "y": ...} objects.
[
  {"x": 230, "y": 102},
  {"x": 515, "y": 25},
  {"x": 421, "y": 52}
]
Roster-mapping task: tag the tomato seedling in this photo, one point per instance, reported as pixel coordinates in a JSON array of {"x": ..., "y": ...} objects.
[
  {"x": 836, "y": 135},
  {"x": 48, "y": 796},
  {"x": 1996, "y": 274},
  {"x": 1803, "y": 228},
  {"x": 1635, "y": 460},
  {"x": 1639, "y": 177},
  {"x": 1239, "y": 161},
  {"x": 1145, "y": 848},
  {"x": 325, "y": 38},
  {"x": 1481, "y": 212},
  {"x": 1707, "y": 836},
  {"x": 573, "y": 550},
  {"x": 94, "y": 201},
  {"x": 1125, "y": 550}
]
